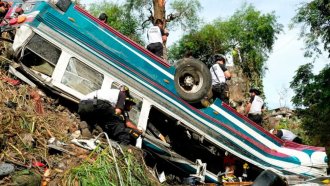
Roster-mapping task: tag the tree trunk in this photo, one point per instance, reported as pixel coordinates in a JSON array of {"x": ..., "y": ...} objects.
[
  {"x": 159, "y": 10},
  {"x": 159, "y": 13}
]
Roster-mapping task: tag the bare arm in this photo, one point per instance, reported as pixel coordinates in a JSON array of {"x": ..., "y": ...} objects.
[
  {"x": 227, "y": 74},
  {"x": 247, "y": 109},
  {"x": 130, "y": 124}
]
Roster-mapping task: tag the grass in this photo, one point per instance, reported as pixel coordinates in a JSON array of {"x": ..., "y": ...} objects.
[{"x": 99, "y": 169}]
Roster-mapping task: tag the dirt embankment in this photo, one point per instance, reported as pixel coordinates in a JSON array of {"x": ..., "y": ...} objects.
[{"x": 36, "y": 149}]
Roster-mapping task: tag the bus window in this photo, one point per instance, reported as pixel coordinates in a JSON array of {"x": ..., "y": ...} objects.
[
  {"x": 81, "y": 77},
  {"x": 41, "y": 55}
]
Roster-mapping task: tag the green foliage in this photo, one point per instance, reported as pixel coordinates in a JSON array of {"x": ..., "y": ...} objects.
[
  {"x": 101, "y": 170},
  {"x": 312, "y": 96},
  {"x": 118, "y": 18},
  {"x": 248, "y": 30},
  {"x": 187, "y": 13},
  {"x": 182, "y": 13},
  {"x": 133, "y": 16},
  {"x": 314, "y": 17}
]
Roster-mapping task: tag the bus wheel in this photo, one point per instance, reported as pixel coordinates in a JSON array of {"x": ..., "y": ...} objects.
[{"x": 192, "y": 80}]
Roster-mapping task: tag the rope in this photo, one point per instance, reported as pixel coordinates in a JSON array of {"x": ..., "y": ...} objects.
[{"x": 114, "y": 157}]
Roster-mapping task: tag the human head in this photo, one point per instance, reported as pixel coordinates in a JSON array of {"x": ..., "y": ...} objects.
[
  {"x": 159, "y": 23},
  {"x": 255, "y": 91},
  {"x": 129, "y": 101},
  {"x": 103, "y": 17},
  {"x": 273, "y": 131},
  {"x": 219, "y": 58}
]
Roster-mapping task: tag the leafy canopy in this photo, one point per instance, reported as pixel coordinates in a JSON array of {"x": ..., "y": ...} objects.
[
  {"x": 247, "y": 31},
  {"x": 314, "y": 18},
  {"x": 313, "y": 91},
  {"x": 312, "y": 97}
]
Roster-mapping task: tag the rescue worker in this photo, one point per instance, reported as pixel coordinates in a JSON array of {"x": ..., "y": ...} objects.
[
  {"x": 255, "y": 106},
  {"x": 109, "y": 109},
  {"x": 286, "y": 135},
  {"x": 155, "y": 36},
  {"x": 103, "y": 17},
  {"x": 220, "y": 75}
]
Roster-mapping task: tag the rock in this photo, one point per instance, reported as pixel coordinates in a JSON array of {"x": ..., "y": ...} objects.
[
  {"x": 6, "y": 169},
  {"x": 86, "y": 133},
  {"x": 26, "y": 178},
  {"x": 83, "y": 125},
  {"x": 28, "y": 139}
]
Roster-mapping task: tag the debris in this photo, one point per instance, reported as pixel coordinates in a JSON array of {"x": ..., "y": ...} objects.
[
  {"x": 34, "y": 141},
  {"x": 75, "y": 134},
  {"x": 87, "y": 144},
  {"x": 58, "y": 149},
  {"x": 38, "y": 164},
  {"x": 11, "y": 104},
  {"x": 11, "y": 81}
]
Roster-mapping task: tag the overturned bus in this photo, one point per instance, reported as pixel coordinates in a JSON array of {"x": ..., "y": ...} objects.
[{"x": 63, "y": 48}]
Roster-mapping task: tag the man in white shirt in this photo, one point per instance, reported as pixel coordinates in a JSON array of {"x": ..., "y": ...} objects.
[
  {"x": 220, "y": 75},
  {"x": 286, "y": 135},
  {"x": 255, "y": 106},
  {"x": 109, "y": 109},
  {"x": 155, "y": 36}
]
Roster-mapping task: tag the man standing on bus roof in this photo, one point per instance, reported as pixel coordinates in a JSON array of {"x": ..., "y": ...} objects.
[
  {"x": 220, "y": 75},
  {"x": 255, "y": 106},
  {"x": 155, "y": 36}
]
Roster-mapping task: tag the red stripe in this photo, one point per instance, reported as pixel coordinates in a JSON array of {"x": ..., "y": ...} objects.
[
  {"x": 128, "y": 40},
  {"x": 293, "y": 145},
  {"x": 287, "y": 144}
]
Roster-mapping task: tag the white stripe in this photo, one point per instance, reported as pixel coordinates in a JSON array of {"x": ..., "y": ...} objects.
[{"x": 303, "y": 157}]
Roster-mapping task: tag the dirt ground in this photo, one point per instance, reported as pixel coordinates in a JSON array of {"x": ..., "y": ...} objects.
[{"x": 35, "y": 139}]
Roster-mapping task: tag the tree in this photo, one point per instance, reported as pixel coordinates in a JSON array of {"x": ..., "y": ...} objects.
[
  {"x": 312, "y": 99},
  {"x": 248, "y": 31},
  {"x": 315, "y": 29},
  {"x": 313, "y": 91},
  {"x": 182, "y": 12}
]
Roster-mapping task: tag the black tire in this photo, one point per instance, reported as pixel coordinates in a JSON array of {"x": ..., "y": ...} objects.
[
  {"x": 192, "y": 80},
  {"x": 269, "y": 178}
]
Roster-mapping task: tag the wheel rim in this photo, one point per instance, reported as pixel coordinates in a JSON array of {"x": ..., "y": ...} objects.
[{"x": 190, "y": 81}]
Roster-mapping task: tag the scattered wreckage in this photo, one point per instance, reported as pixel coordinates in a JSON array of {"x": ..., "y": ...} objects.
[{"x": 63, "y": 48}]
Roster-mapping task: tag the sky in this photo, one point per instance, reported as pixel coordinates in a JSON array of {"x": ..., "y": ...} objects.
[{"x": 287, "y": 54}]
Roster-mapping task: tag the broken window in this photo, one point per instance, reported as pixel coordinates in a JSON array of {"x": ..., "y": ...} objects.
[
  {"x": 81, "y": 77},
  {"x": 40, "y": 55}
]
